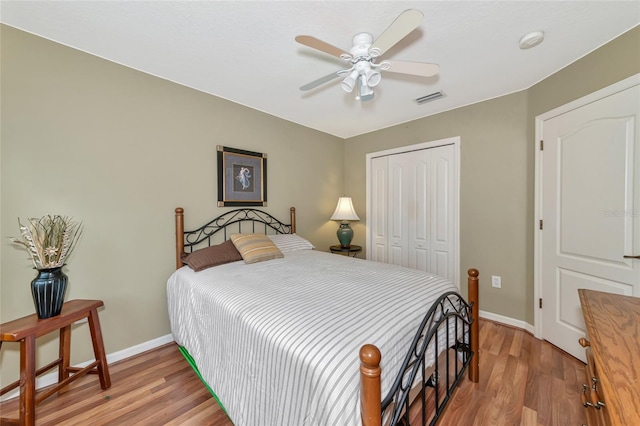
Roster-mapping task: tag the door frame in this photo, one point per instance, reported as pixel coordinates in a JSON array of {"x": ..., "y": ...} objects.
[
  {"x": 455, "y": 141},
  {"x": 539, "y": 128}
]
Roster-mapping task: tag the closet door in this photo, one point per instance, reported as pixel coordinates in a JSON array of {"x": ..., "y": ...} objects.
[
  {"x": 441, "y": 236},
  {"x": 400, "y": 206},
  {"x": 419, "y": 205},
  {"x": 378, "y": 214},
  {"x": 412, "y": 209}
]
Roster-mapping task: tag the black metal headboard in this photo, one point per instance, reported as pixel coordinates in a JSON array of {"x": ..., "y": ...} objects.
[{"x": 231, "y": 222}]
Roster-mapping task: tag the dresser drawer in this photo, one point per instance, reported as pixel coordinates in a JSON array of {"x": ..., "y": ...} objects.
[
  {"x": 613, "y": 354},
  {"x": 595, "y": 416}
]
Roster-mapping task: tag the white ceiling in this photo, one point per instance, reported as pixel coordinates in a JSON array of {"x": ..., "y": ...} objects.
[{"x": 245, "y": 51}]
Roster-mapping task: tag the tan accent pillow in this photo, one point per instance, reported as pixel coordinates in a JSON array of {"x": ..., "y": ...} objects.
[
  {"x": 256, "y": 247},
  {"x": 212, "y": 256}
]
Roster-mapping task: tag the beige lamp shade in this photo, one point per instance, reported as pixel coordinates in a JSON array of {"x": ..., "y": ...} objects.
[{"x": 345, "y": 210}]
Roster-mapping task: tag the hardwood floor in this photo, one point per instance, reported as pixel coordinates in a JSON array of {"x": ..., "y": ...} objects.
[{"x": 523, "y": 381}]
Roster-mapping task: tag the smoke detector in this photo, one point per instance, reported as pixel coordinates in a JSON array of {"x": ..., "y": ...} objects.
[{"x": 531, "y": 39}]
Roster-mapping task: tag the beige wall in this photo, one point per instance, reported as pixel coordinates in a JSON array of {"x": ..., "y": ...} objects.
[
  {"x": 118, "y": 136},
  {"x": 119, "y": 150},
  {"x": 497, "y": 170},
  {"x": 493, "y": 196}
]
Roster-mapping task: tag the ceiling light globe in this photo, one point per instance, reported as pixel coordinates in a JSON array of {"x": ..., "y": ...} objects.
[
  {"x": 373, "y": 78},
  {"x": 349, "y": 82}
]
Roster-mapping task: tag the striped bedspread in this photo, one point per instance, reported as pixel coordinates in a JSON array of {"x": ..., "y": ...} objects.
[{"x": 278, "y": 341}]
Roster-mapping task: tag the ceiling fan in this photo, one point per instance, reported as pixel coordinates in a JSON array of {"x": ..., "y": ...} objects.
[{"x": 364, "y": 73}]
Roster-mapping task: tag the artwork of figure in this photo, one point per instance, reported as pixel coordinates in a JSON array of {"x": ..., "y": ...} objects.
[{"x": 243, "y": 177}]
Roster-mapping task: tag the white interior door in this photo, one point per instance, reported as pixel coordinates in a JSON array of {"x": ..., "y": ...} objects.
[{"x": 590, "y": 199}]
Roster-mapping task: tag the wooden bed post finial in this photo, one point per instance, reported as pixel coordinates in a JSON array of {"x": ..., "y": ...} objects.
[
  {"x": 474, "y": 368},
  {"x": 179, "y": 236},
  {"x": 292, "y": 213},
  {"x": 370, "y": 393}
]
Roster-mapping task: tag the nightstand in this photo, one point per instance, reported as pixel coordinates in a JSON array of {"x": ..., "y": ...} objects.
[{"x": 352, "y": 250}]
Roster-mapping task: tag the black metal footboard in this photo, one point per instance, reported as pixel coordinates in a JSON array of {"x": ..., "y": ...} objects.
[{"x": 434, "y": 365}]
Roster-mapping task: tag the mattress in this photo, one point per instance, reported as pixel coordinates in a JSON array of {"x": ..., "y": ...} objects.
[{"x": 278, "y": 341}]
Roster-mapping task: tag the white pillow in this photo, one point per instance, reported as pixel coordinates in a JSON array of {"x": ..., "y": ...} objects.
[{"x": 290, "y": 242}]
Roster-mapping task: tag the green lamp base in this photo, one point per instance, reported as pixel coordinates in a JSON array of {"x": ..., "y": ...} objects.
[{"x": 345, "y": 234}]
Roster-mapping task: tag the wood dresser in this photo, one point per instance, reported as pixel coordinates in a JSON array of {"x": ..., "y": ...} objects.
[{"x": 612, "y": 390}]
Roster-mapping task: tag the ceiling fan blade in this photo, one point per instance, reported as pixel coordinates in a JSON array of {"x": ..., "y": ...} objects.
[
  {"x": 322, "y": 46},
  {"x": 319, "y": 81},
  {"x": 422, "y": 69},
  {"x": 408, "y": 21}
]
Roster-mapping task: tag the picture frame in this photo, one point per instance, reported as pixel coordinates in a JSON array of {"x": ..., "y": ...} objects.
[{"x": 242, "y": 177}]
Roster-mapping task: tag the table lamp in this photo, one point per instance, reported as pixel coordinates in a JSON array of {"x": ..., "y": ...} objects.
[{"x": 345, "y": 212}]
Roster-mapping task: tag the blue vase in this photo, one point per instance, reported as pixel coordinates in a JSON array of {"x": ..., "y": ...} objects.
[{"x": 48, "y": 290}]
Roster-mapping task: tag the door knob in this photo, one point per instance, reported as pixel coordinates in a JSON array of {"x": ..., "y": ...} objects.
[{"x": 631, "y": 257}]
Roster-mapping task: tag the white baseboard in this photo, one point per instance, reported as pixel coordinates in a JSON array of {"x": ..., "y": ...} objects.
[
  {"x": 52, "y": 378},
  {"x": 506, "y": 320}
]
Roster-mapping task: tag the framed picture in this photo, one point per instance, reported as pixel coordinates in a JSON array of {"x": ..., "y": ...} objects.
[{"x": 242, "y": 177}]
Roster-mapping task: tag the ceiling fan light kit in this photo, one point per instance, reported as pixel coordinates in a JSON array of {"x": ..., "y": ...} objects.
[{"x": 364, "y": 71}]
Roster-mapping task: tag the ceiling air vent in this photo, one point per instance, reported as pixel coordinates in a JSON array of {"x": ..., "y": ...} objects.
[{"x": 428, "y": 98}]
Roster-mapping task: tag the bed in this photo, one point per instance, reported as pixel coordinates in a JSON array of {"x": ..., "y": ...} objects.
[{"x": 312, "y": 338}]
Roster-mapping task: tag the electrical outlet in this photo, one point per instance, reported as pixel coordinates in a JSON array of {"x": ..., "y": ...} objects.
[{"x": 496, "y": 281}]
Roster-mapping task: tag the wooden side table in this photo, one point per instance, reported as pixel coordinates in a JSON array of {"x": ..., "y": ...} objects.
[
  {"x": 25, "y": 330},
  {"x": 352, "y": 250}
]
